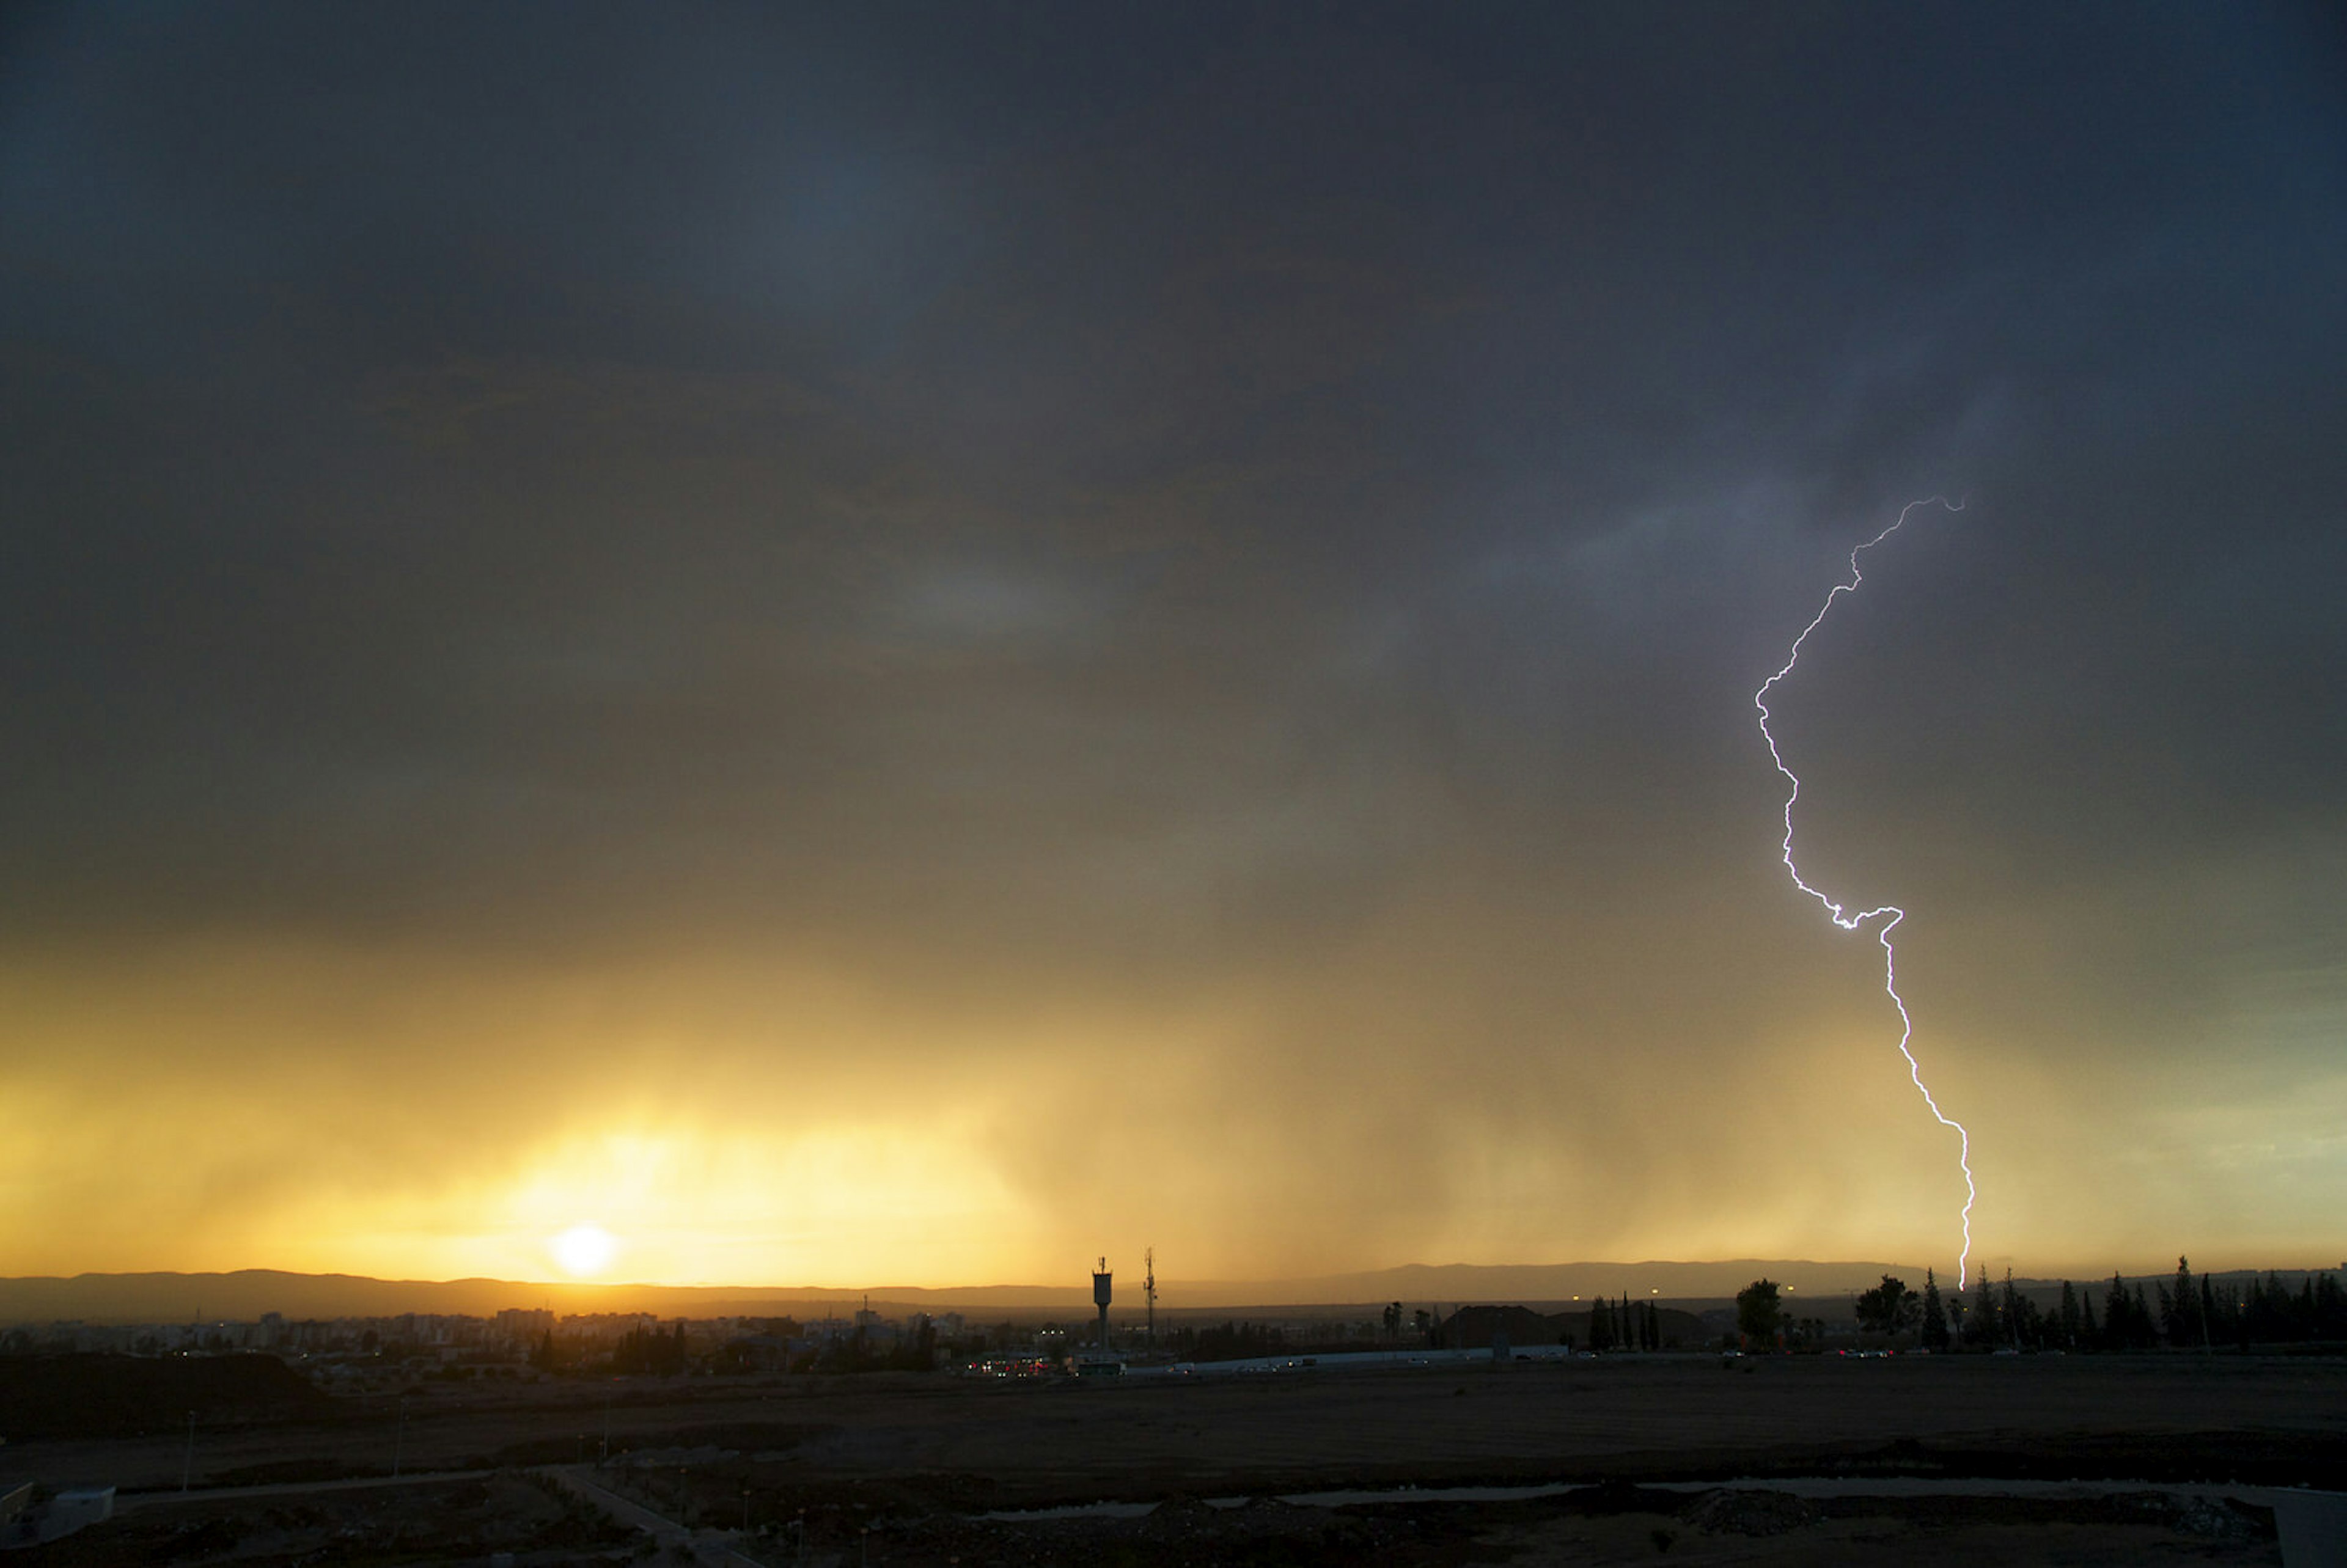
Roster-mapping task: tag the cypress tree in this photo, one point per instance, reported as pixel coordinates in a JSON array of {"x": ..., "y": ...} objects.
[
  {"x": 1979, "y": 1316},
  {"x": 2329, "y": 1308},
  {"x": 1935, "y": 1314},
  {"x": 2182, "y": 1306}
]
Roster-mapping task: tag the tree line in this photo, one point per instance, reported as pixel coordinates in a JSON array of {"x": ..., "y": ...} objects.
[
  {"x": 2186, "y": 1312},
  {"x": 1625, "y": 1325}
]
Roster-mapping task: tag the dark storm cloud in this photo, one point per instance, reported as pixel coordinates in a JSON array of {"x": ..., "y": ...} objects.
[{"x": 456, "y": 407}]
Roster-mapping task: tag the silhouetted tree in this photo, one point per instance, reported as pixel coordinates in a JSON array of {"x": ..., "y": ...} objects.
[
  {"x": 2179, "y": 1308},
  {"x": 1979, "y": 1316},
  {"x": 1889, "y": 1307},
  {"x": 2017, "y": 1314},
  {"x": 1758, "y": 1314},
  {"x": 649, "y": 1350},
  {"x": 2274, "y": 1312},
  {"x": 2066, "y": 1317},
  {"x": 2140, "y": 1329},
  {"x": 1935, "y": 1315}
]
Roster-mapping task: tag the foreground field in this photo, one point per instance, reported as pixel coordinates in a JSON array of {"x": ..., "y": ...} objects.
[{"x": 902, "y": 1469}]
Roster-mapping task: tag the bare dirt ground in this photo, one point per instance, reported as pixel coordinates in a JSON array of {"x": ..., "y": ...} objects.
[{"x": 898, "y": 1468}]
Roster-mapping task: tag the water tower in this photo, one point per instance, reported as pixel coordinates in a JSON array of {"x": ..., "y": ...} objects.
[{"x": 1099, "y": 1299}]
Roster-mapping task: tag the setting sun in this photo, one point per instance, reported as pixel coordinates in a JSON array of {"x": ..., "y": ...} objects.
[{"x": 584, "y": 1251}]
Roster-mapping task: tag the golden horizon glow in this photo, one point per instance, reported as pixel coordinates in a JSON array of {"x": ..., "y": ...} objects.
[{"x": 854, "y": 1140}]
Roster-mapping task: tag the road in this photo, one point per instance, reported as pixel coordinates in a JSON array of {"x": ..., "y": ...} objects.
[{"x": 709, "y": 1546}]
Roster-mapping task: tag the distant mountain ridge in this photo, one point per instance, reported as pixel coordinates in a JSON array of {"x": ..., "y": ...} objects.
[{"x": 244, "y": 1295}]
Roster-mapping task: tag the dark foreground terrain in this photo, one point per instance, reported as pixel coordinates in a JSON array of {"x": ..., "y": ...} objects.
[{"x": 2159, "y": 1459}]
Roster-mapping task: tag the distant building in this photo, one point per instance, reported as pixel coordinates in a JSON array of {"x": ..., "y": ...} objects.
[{"x": 523, "y": 1324}]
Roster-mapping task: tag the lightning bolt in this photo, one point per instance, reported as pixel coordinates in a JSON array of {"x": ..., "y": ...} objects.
[{"x": 1891, "y": 915}]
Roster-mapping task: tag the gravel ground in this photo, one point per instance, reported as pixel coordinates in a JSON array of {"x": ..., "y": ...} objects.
[{"x": 896, "y": 1469}]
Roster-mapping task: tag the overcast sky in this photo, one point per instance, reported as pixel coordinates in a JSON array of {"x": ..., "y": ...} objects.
[{"x": 914, "y": 643}]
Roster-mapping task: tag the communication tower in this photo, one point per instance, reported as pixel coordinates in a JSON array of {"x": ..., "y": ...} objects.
[
  {"x": 1099, "y": 1299},
  {"x": 1149, "y": 1291}
]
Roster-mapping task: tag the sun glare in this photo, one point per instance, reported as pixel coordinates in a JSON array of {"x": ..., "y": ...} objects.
[
  {"x": 584, "y": 1251},
  {"x": 695, "y": 1203}
]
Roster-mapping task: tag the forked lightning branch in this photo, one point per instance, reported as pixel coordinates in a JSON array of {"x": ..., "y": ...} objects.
[{"x": 1888, "y": 914}]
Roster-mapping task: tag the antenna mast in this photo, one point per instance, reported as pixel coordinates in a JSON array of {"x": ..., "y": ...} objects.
[{"x": 1149, "y": 1290}]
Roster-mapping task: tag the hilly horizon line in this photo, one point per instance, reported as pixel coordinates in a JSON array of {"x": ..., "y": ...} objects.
[
  {"x": 174, "y": 1296},
  {"x": 243, "y": 1295},
  {"x": 826, "y": 1287}
]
